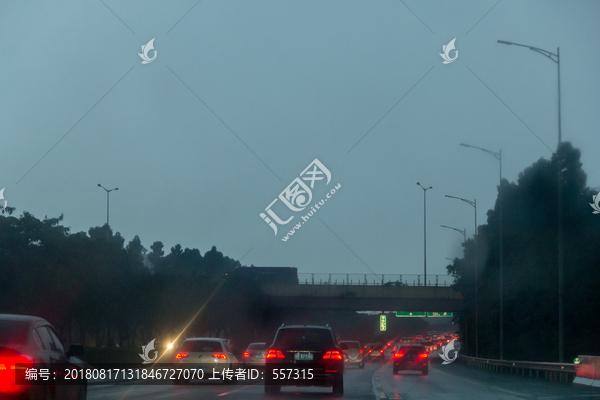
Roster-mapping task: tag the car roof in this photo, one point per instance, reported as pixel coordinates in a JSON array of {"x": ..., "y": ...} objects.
[
  {"x": 348, "y": 341},
  {"x": 305, "y": 326},
  {"x": 257, "y": 343},
  {"x": 23, "y": 318},
  {"x": 206, "y": 338}
]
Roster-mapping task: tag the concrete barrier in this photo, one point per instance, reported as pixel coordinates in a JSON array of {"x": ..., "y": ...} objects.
[{"x": 588, "y": 371}]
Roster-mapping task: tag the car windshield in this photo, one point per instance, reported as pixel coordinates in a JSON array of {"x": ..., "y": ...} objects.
[
  {"x": 13, "y": 332},
  {"x": 304, "y": 339},
  {"x": 201, "y": 346}
]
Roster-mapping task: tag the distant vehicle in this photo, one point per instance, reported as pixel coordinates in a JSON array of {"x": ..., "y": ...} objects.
[
  {"x": 411, "y": 357},
  {"x": 353, "y": 353},
  {"x": 429, "y": 346},
  {"x": 305, "y": 346},
  {"x": 32, "y": 340},
  {"x": 391, "y": 347},
  {"x": 377, "y": 352},
  {"x": 255, "y": 354},
  {"x": 206, "y": 350}
]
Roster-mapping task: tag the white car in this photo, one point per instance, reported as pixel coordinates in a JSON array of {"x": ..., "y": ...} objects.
[{"x": 212, "y": 353}]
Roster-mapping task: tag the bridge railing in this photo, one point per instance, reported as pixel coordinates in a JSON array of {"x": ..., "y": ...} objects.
[
  {"x": 373, "y": 279},
  {"x": 558, "y": 372}
]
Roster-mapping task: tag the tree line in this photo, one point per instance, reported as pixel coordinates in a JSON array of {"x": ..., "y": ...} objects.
[
  {"x": 530, "y": 268},
  {"x": 105, "y": 292}
]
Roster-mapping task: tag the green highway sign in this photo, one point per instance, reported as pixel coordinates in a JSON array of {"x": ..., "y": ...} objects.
[
  {"x": 382, "y": 323},
  {"x": 439, "y": 314},
  {"x": 410, "y": 314}
]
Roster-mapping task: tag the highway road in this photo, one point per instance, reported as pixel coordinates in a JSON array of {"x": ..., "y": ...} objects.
[{"x": 375, "y": 381}]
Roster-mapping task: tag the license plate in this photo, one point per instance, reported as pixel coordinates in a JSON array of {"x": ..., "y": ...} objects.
[
  {"x": 303, "y": 356},
  {"x": 260, "y": 357}
]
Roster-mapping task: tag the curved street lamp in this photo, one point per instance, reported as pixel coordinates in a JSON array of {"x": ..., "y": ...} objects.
[
  {"x": 461, "y": 231},
  {"x": 561, "y": 319}
]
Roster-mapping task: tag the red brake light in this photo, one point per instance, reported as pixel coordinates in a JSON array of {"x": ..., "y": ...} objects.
[
  {"x": 360, "y": 351},
  {"x": 275, "y": 354},
  {"x": 220, "y": 356},
  {"x": 181, "y": 355},
  {"x": 332, "y": 355},
  {"x": 7, "y": 372},
  {"x": 246, "y": 354},
  {"x": 399, "y": 354},
  {"x": 423, "y": 355}
]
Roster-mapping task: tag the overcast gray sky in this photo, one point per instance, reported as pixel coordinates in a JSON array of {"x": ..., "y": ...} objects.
[{"x": 290, "y": 81}]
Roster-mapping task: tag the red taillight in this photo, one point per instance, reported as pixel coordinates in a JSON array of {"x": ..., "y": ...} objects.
[
  {"x": 8, "y": 369},
  {"x": 275, "y": 354},
  {"x": 246, "y": 354},
  {"x": 423, "y": 355},
  {"x": 399, "y": 354},
  {"x": 360, "y": 351},
  {"x": 220, "y": 356},
  {"x": 332, "y": 355},
  {"x": 179, "y": 356}
]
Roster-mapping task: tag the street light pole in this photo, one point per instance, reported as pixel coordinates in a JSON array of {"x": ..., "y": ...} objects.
[
  {"x": 498, "y": 156},
  {"x": 561, "y": 321},
  {"x": 461, "y": 231},
  {"x": 107, "y": 213},
  {"x": 424, "y": 232},
  {"x": 476, "y": 259}
]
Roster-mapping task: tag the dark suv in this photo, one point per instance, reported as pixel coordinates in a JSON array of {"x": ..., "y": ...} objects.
[
  {"x": 411, "y": 357},
  {"x": 309, "y": 348}
]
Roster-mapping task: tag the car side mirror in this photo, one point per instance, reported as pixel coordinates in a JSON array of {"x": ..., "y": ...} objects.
[{"x": 75, "y": 350}]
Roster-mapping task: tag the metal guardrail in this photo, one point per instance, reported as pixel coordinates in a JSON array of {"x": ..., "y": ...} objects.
[
  {"x": 373, "y": 279},
  {"x": 557, "y": 372}
]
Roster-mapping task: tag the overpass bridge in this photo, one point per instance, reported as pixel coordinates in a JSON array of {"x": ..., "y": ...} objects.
[{"x": 358, "y": 296}]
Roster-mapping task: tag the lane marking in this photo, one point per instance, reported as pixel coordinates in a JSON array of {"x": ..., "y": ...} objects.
[{"x": 232, "y": 391}]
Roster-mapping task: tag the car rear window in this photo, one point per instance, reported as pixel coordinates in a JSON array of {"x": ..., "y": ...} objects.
[
  {"x": 412, "y": 349},
  {"x": 257, "y": 346},
  {"x": 378, "y": 347},
  {"x": 349, "y": 345},
  {"x": 304, "y": 339},
  {"x": 201, "y": 346},
  {"x": 427, "y": 343},
  {"x": 13, "y": 332}
]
